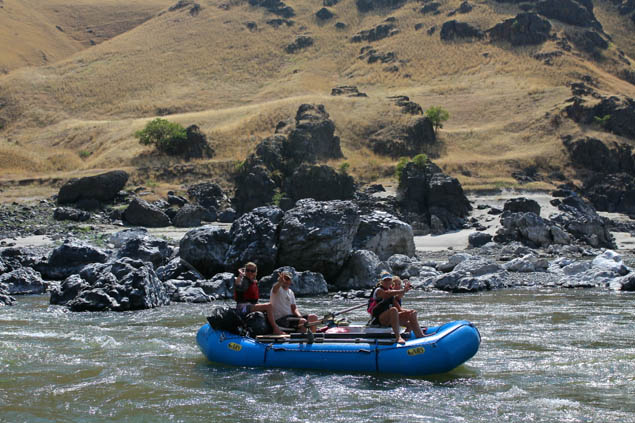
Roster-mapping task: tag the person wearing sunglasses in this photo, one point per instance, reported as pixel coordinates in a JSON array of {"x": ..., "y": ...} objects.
[
  {"x": 285, "y": 310},
  {"x": 247, "y": 295}
]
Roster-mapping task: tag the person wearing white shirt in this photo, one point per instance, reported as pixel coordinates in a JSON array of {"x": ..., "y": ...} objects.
[{"x": 285, "y": 311}]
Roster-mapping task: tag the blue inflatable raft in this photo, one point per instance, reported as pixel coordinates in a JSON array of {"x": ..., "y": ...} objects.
[{"x": 441, "y": 350}]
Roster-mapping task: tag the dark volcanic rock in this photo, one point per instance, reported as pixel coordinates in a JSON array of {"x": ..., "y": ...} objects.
[
  {"x": 324, "y": 14},
  {"x": 407, "y": 140},
  {"x": 274, "y": 6},
  {"x": 522, "y": 204},
  {"x": 103, "y": 187},
  {"x": 68, "y": 213},
  {"x": 318, "y": 236},
  {"x": 368, "y": 5},
  {"x": 568, "y": 11},
  {"x": 122, "y": 285},
  {"x": 313, "y": 136},
  {"x": 319, "y": 182},
  {"x": 71, "y": 257},
  {"x": 478, "y": 239},
  {"x": 205, "y": 249},
  {"x": 254, "y": 188},
  {"x": 300, "y": 43},
  {"x": 208, "y": 195},
  {"x": 452, "y": 30},
  {"x": 254, "y": 237},
  {"x": 524, "y": 29},
  {"x": 5, "y": 298},
  {"x": 147, "y": 249},
  {"x": 22, "y": 281},
  {"x": 190, "y": 216},
  {"x": 592, "y": 154},
  {"x": 347, "y": 90},
  {"x": 384, "y": 235},
  {"x": 619, "y": 110},
  {"x": 304, "y": 283},
  {"x": 142, "y": 213},
  {"x": 375, "y": 34},
  {"x": 428, "y": 192}
]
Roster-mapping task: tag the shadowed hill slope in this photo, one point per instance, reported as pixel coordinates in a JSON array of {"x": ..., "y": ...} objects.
[{"x": 235, "y": 69}]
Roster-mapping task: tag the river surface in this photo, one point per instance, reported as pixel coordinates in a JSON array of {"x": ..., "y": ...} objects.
[{"x": 546, "y": 356}]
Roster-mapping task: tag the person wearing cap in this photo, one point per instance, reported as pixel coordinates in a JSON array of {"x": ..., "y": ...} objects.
[
  {"x": 285, "y": 310},
  {"x": 246, "y": 294},
  {"x": 384, "y": 311}
]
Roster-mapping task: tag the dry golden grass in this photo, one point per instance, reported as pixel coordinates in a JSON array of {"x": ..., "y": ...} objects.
[{"x": 80, "y": 113}]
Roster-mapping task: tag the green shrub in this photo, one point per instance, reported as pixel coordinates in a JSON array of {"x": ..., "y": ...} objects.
[
  {"x": 277, "y": 197},
  {"x": 437, "y": 115},
  {"x": 166, "y": 136},
  {"x": 603, "y": 120},
  {"x": 401, "y": 165},
  {"x": 344, "y": 167},
  {"x": 421, "y": 160},
  {"x": 84, "y": 154}
]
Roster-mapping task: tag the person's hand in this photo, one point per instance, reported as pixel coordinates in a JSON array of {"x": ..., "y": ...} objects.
[{"x": 407, "y": 286}]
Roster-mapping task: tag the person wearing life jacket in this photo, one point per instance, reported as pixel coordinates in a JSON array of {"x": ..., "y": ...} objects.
[
  {"x": 384, "y": 310},
  {"x": 247, "y": 295}
]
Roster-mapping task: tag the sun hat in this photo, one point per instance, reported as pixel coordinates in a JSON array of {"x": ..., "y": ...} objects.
[{"x": 385, "y": 275}]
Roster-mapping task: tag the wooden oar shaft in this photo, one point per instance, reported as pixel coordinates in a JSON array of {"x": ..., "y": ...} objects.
[{"x": 349, "y": 309}]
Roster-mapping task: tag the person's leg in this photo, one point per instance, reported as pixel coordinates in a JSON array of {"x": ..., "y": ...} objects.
[
  {"x": 409, "y": 320},
  {"x": 312, "y": 319},
  {"x": 390, "y": 318},
  {"x": 268, "y": 309}
]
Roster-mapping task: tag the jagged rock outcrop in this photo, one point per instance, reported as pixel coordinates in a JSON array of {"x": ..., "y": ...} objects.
[
  {"x": 254, "y": 237},
  {"x": 348, "y": 91},
  {"x": 69, "y": 213},
  {"x": 318, "y": 236},
  {"x": 426, "y": 194},
  {"x": 377, "y": 33},
  {"x": 22, "y": 281},
  {"x": 572, "y": 12},
  {"x": 205, "y": 248},
  {"x": 616, "y": 113},
  {"x": 452, "y": 30},
  {"x": 404, "y": 140},
  {"x": 301, "y": 42},
  {"x": 147, "y": 249},
  {"x": 69, "y": 258},
  {"x": 384, "y": 235},
  {"x": 360, "y": 271},
  {"x": 121, "y": 285},
  {"x": 524, "y": 29},
  {"x": 304, "y": 283},
  {"x": 319, "y": 182},
  {"x": 369, "y": 5},
  {"x": 522, "y": 204},
  {"x": 274, "y": 6},
  {"x": 208, "y": 194}
]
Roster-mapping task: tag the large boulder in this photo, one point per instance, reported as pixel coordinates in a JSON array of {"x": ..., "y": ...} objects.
[
  {"x": 305, "y": 283},
  {"x": 524, "y": 29},
  {"x": 385, "y": 235},
  {"x": 276, "y": 7},
  {"x": 580, "y": 219},
  {"x": 404, "y": 140},
  {"x": 530, "y": 229},
  {"x": 318, "y": 236},
  {"x": 208, "y": 194},
  {"x": 23, "y": 281},
  {"x": 190, "y": 216},
  {"x": 360, "y": 271},
  {"x": 141, "y": 213},
  {"x": 71, "y": 257},
  {"x": 254, "y": 188},
  {"x": 381, "y": 31},
  {"x": 521, "y": 205},
  {"x": 103, "y": 187},
  {"x": 205, "y": 249},
  {"x": 121, "y": 285},
  {"x": 147, "y": 249},
  {"x": 69, "y": 213},
  {"x": 471, "y": 274},
  {"x": 254, "y": 238},
  {"x": 5, "y": 298},
  {"x": 620, "y": 111},
  {"x": 369, "y": 5},
  {"x": 320, "y": 182},
  {"x": 425, "y": 190}
]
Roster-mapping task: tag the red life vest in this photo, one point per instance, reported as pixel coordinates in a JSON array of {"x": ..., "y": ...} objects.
[{"x": 250, "y": 295}]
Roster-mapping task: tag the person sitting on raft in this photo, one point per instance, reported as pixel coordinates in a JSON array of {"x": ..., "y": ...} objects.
[
  {"x": 384, "y": 311},
  {"x": 285, "y": 310},
  {"x": 247, "y": 295}
]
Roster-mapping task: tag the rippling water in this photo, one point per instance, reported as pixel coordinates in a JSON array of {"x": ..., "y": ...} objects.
[{"x": 546, "y": 356}]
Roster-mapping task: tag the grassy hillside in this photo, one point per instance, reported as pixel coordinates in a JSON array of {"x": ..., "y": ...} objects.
[{"x": 214, "y": 68}]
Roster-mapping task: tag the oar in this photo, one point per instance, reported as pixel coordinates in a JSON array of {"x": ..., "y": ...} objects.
[{"x": 330, "y": 316}]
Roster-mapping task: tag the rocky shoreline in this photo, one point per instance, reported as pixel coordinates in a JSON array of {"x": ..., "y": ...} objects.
[{"x": 333, "y": 247}]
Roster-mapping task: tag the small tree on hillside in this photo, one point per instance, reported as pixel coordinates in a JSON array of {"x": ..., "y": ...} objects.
[
  {"x": 166, "y": 136},
  {"x": 437, "y": 115}
]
